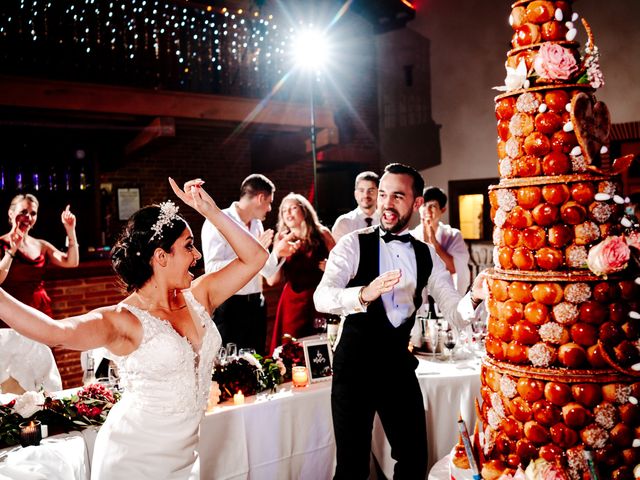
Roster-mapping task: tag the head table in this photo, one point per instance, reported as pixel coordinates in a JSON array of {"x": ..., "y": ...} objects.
[{"x": 288, "y": 435}]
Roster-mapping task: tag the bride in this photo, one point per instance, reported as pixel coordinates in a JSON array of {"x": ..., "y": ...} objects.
[{"x": 161, "y": 336}]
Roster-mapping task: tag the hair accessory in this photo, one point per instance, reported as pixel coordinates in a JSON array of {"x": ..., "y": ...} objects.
[{"x": 168, "y": 213}]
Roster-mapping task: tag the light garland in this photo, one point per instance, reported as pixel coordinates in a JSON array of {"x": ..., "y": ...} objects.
[{"x": 148, "y": 43}]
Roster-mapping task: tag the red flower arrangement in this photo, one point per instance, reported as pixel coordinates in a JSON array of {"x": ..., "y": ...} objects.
[
  {"x": 290, "y": 353},
  {"x": 88, "y": 406}
]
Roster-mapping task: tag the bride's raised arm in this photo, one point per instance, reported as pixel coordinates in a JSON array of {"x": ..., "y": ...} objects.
[
  {"x": 94, "y": 329},
  {"x": 220, "y": 285}
]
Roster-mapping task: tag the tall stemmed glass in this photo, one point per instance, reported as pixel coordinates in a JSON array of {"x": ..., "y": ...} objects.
[
  {"x": 433, "y": 331},
  {"x": 450, "y": 339}
]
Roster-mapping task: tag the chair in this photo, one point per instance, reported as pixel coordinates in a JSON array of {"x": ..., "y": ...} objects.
[
  {"x": 481, "y": 257},
  {"x": 26, "y": 365}
]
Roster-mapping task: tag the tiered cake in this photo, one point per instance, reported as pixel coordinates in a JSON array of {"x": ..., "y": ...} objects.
[{"x": 559, "y": 383}]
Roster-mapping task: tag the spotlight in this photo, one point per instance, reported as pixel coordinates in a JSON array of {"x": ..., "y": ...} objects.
[{"x": 310, "y": 49}]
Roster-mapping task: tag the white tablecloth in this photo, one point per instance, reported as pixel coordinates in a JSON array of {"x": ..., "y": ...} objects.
[
  {"x": 287, "y": 437},
  {"x": 61, "y": 457},
  {"x": 447, "y": 389},
  {"x": 440, "y": 470}
]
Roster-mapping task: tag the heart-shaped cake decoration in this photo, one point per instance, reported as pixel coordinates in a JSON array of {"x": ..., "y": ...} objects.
[{"x": 592, "y": 126}]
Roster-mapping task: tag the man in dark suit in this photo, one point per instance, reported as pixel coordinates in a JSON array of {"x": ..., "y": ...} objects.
[{"x": 378, "y": 277}]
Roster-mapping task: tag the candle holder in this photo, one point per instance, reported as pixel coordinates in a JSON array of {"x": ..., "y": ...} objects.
[
  {"x": 299, "y": 376},
  {"x": 30, "y": 433}
]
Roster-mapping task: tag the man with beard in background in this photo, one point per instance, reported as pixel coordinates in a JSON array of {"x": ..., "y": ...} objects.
[
  {"x": 378, "y": 277},
  {"x": 365, "y": 214}
]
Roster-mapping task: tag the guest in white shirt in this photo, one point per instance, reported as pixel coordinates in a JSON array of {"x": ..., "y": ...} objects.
[
  {"x": 242, "y": 319},
  {"x": 365, "y": 214},
  {"x": 446, "y": 240},
  {"x": 377, "y": 276}
]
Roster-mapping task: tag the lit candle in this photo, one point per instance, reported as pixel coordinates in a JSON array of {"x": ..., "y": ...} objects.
[
  {"x": 238, "y": 398},
  {"x": 30, "y": 433},
  {"x": 299, "y": 376}
]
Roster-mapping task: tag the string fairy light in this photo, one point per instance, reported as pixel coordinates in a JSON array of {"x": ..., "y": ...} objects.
[{"x": 147, "y": 42}]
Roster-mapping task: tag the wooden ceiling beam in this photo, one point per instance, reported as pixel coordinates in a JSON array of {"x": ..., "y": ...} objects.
[{"x": 83, "y": 97}]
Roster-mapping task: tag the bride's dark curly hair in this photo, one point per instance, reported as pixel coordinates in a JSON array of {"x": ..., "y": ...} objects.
[{"x": 131, "y": 255}]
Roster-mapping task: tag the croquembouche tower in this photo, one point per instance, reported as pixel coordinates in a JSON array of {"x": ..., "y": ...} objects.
[{"x": 560, "y": 384}]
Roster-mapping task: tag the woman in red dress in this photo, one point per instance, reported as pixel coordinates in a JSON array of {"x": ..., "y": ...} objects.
[
  {"x": 302, "y": 270},
  {"x": 24, "y": 257}
]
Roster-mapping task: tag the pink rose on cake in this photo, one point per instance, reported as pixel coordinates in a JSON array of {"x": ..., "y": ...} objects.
[
  {"x": 609, "y": 256},
  {"x": 554, "y": 62}
]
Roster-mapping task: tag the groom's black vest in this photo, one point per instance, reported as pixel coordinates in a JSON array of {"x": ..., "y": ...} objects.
[{"x": 370, "y": 335}]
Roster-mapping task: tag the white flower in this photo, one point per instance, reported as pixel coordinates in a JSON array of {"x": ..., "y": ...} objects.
[
  {"x": 28, "y": 404},
  {"x": 214, "y": 395},
  {"x": 516, "y": 78},
  {"x": 280, "y": 365},
  {"x": 277, "y": 352},
  {"x": 252, "y": 360}
]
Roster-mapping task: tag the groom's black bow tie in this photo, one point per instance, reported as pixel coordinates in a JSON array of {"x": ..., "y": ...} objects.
[{"x": 390, "y": 237}]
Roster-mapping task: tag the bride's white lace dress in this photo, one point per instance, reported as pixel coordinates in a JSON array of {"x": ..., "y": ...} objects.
[{"x": 152, "y": 432}]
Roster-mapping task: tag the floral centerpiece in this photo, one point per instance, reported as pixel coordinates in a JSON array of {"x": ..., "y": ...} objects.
[
  {"x": 88, "y": 406},
  {"x": 249, "y": 374},
  {"x": 290, "y": 354}
]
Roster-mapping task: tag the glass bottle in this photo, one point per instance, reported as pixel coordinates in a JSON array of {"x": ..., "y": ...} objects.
[
  {"x": 35, "y": 178},
  {"x": 89, "y": 376},
  {"x": 52, "y": 180},
  {"x": 83, "y": 179},
  {"x": 19, "y": 179},
  {"x": 67, "y": 178}
]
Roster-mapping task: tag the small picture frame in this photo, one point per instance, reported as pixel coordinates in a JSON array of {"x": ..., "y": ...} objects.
[{"x": 319, "y": 359}]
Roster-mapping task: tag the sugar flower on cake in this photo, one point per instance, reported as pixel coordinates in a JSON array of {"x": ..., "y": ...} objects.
[
  {"x": 592, "y": 65},
  {"x": 28, "y": 404},
  {"x": 519, "y": 475},
  {"x": 516, "y": 78},
  {"x": 554, "y": 62},
  {"x": 540, "y": 469},
  {"x": 633, "y": 240},
  {"x": 609, "y": 256}
]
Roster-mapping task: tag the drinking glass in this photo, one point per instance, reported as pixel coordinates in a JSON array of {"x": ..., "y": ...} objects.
[
  {"x": 450, "y": 339},
  {"x": 114, "y": 375},
  {"x": 222, "y": 356},
  {"x": 247, "y": 351},
  {"x": 434, "y": 335},
  {"x": 232, "y": 350},
  {"x": 320, "y": 326},
  {"x": 478, "y": 328}
]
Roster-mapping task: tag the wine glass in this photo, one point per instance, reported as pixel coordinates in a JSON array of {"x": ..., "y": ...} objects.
[
  {"x": 320, "y": 326},
  {"x": 478, "y": 328},
  {"x": 222, "y": 356},
  {"x": 232, "y": 350},
  {"x": 434, "y": 335},
  {"x": 450, "y": 339},
  {"x": 113, "y": 375}
]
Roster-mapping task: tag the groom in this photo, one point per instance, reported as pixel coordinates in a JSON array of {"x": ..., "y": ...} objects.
[{"x": 378, "y": 276}]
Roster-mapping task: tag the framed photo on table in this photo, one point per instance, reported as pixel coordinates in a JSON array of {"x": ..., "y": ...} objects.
[{"x": 319, "y": 360}]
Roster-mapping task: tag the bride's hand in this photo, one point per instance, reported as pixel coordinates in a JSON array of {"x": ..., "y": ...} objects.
[{"x": 195, "y": 196}]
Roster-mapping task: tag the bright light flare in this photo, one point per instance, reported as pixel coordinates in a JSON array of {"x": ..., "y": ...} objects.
[{"x": 310, "y": 49}]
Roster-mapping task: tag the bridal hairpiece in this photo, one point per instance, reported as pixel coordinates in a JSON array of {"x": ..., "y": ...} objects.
[{"x": 168, "y": 213}]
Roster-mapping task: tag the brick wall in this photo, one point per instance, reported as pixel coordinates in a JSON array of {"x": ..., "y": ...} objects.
[{"x": 73, "y": 297}]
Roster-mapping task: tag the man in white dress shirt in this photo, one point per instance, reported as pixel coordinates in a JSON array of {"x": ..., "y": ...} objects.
[
  {"x": 242, "y": 319},
  {"x": 365, "y": 214},
  {"x": 377, "y": 278},
  {"x": 446, "y": 240}
]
